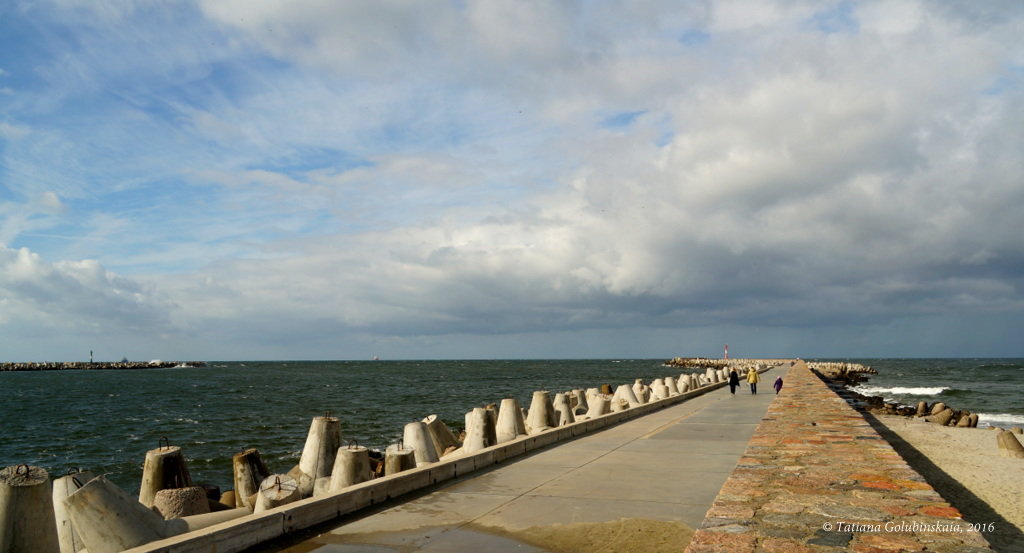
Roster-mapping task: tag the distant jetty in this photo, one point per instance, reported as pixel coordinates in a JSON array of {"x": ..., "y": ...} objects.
[{"x": 86, "y": 365}]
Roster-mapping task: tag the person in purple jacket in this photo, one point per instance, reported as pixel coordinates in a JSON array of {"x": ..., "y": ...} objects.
[{"x": 777, "y": 385}]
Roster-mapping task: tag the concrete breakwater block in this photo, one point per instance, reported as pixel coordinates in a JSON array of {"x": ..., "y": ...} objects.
[
  {"x": 599, "y": 405},
  {"x": 27, "y": 521},
  {"x": 542, "y": 413},
  {"x": 510, "y": 423},
  {"x": 163, "y": 469},
  {"x": 937, "y": 408},
  {"x": 480, "y": 433},
  {"x": 1008, "y": 445},
  {"x": 351, "y": 466},
  {"x": 276, "y": 490},
  {"x": 62, "y": 488},
  {"x": 416, "y": 435},
  {"x": 322, "y": 443},
  {"x": 249, "y": 471},
  {"x": 109, "y": 520},
  {"x": 940, "y": 418},
  {"x": 444, "y": 439},
  {"x": 625, "y": 393},
  {"x": 181, "y": 502},
  {"x": 563, "y": 410},
  {"x": 922, "y": 409},
  {"x": 398, "y": 458}
]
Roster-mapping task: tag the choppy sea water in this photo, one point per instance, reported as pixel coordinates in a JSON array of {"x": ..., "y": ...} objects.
[
  {"x": 993, "y": 388},
  {"x": 106, "y": 420}
]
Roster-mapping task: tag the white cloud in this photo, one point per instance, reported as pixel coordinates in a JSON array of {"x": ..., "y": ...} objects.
[
  {"x": 465, "y": 180},
  {"x": 72, "y": 299}
]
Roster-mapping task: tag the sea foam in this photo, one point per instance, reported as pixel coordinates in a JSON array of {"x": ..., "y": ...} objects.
[
  {"x": 1000, "y": 419},
  {"x": 900, "y": 390}
]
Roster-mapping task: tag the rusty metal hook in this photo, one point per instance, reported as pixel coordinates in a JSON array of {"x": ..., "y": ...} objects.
[
  {"x": 164, "y": 440},
  {"x": 28, "y": 469},
  {"x": 353, "y": 441}
]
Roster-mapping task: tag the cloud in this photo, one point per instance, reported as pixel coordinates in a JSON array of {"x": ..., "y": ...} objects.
[
  {"x": 370, "y": 173},
  {"x": 77, "y": 300}
]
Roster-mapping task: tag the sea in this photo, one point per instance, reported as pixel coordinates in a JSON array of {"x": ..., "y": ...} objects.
[{"x": 104, "y": 421}]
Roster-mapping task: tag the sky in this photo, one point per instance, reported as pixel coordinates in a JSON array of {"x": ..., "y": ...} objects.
[{"x": 312, "y": 179}]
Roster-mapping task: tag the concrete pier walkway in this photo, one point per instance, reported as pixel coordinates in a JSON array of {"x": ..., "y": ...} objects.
[{"x": 652, "y": 476}]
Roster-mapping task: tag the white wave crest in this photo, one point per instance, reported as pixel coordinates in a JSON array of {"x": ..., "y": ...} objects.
[
  {"x": 1000, "y": 419},
  {"x": 900, "y": 390}
]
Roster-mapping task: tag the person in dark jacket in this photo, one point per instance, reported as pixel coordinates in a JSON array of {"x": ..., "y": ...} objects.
[
  {"x": 777, "y": 385},
  {"x": 734, "y": 381}
]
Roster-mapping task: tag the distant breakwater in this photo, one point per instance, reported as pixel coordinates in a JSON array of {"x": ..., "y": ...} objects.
[{"x": 85, "y": 365}]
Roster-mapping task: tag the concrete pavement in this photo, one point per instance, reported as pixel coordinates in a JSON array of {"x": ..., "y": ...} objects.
[{"x": 661, "y": 471}]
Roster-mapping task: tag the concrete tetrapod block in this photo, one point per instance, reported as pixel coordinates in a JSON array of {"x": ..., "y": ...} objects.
[
  {"x": 937, "y": 408},
  {"x": 626, "y": 393},
  {"x": 1008, "y": 445},
  {"x": 27, "y": 521},
  {"x": 477, "y": 431},
  {"x": 542, "y": 413},
  {"x": 318, "y": 454},
  {"x": 398, "y": 459},
  {"x": 964, "y": 421},
  {"x": 416, "y": 435},
  {"x": 351, "y": 466},
  {"x": 249, "y": 471},
  {"x": 581, "y": 401},
  {"x": 940, "y": 418},
  {"x": 510, "y": 421},
  {"x": 442, "y": 436},
  {"x": 563, "y": 410},
  {"x": 108, "y": 520},
  {"x": 276, "y": 490},
  {"x": 974, "y": 420},
  {"x": 62, "y": 488},
  {"x": 639, "y": 392},
  {"x": 163, "y": 469},
  {"x": 922, "y": 409},
  {"x": 673, "y": 387},
  {"x": 599, "y": 405},
  {"x": 181, "y": 502}
]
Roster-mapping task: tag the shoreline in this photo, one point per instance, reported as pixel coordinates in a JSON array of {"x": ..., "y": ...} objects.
[{"x": 96, "y": 366}]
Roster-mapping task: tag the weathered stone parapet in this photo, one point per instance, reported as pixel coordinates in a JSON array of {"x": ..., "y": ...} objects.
[{"x": 816, "y": 477}]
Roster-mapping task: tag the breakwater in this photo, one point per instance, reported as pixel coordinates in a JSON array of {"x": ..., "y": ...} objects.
[
  {"x": 707, "y": 363},
  {"x": 817, "y": 477},
  {"x": 493, "y": 433},
  {"x": 91, "y": 366}
]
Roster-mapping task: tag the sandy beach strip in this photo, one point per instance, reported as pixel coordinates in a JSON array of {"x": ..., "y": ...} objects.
[{"x": 964, "y": 466}]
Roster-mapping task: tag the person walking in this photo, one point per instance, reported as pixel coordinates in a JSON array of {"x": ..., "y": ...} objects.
[
  {"x": 752, "y": 379},
  {"x": 777, "y": 385},
  {"x": 734, "y": 380}
]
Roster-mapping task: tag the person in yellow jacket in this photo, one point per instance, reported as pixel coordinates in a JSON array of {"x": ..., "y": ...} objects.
[{"x": 752, "y": 379}]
